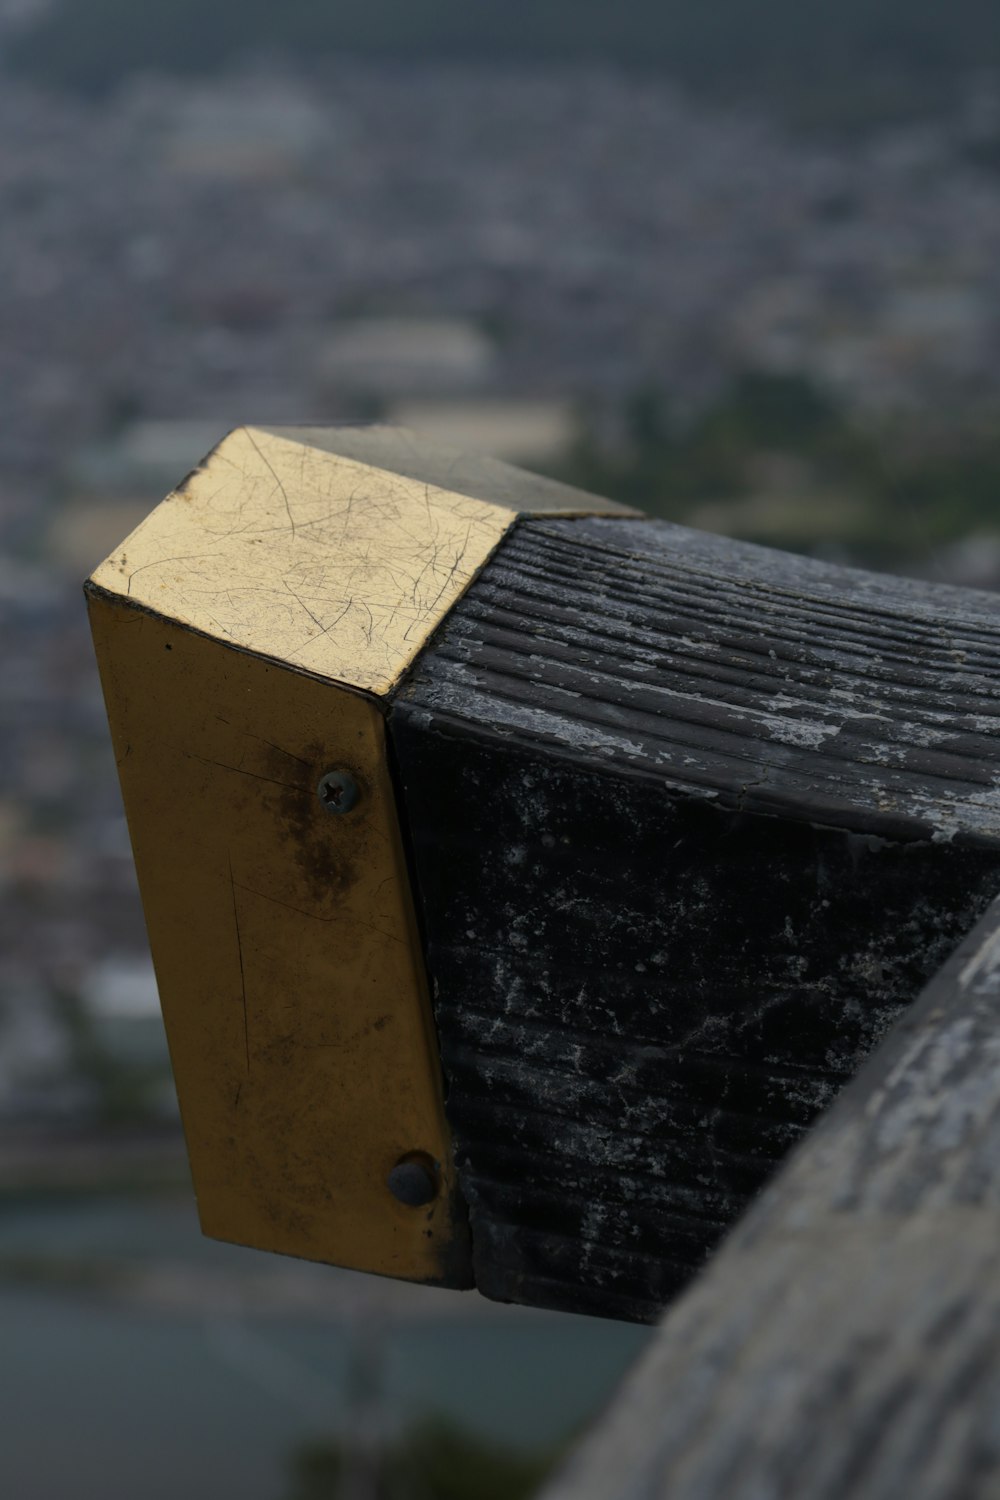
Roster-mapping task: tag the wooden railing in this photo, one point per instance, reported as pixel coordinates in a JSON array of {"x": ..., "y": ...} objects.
[{"x": 524, "y": 878}]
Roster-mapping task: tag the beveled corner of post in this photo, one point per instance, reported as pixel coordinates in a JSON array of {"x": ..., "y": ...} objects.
[{"x": 336, "y": 550}]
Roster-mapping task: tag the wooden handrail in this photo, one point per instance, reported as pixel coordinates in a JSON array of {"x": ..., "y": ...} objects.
[{"x": 524, "y": 877}]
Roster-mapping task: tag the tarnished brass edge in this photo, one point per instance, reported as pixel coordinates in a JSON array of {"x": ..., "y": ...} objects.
[
  {"x": 332, "y": 565},
  {"x": 365, "y": 1229},
  {"x": 92, "y": 590}
]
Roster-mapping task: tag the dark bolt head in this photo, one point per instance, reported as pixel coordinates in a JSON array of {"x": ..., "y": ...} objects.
[
  {"x": 338, "y": 791},
  {"x": 413, "y": 1181}
]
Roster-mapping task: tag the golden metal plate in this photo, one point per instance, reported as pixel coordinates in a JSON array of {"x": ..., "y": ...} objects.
[
  {"x": 335, "y": 550},
  {"x": 285, "y": 948},
  {"x": 246, "y": 632}
]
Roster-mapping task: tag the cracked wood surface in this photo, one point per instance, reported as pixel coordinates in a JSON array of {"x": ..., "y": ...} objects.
[
  {"x": 693, "y": 822},
  {"x": 766, "y": 682},
  {"x": 845, "y": 1341},
  {"x": 334, "y": 550}
]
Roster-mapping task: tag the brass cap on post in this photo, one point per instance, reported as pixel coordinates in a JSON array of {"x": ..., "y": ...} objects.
[{"x": 249, "y": 633}]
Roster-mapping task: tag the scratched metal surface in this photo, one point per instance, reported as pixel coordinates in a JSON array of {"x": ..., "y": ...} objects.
[
  {"x": 334, "y": 550},
  {"x": 286, "y": 950},
  {"x": 846, "y": 1340},
  {"x": 691, "y": 826},
  {"x": 245, "y": 631}
]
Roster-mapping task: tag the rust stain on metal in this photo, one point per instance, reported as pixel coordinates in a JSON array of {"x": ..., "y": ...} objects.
[{"x": 285, "y": 947}]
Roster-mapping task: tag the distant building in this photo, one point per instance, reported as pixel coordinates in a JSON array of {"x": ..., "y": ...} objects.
[
  {"x": 84, "y": 532},
  {"x": 878, "y": 351},
  {"x": 36, "y": 1061},
  {"x": 776, "y": 326},
  {"x": 112, "y": 484},
  {"x": 121, "y": 1003},
  {"x": 941, "y": 323},
  {"x": 145, "y": 460},
  {"x": 519, "y": 431},
  {"x": 394, "y": 357},
  {"x": 250, "y": 130}
]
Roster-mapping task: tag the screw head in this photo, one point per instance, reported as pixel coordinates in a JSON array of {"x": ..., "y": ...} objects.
[
  {"x": 338, "y": 791},
  {"x": 413, "y": 1181}
]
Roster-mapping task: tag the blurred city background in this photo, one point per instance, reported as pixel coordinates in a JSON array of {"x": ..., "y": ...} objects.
[{"x": 736, "y": 263}]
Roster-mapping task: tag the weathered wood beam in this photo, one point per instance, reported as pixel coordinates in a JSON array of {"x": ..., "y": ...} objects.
[
  {"x": 692, "y": 821},
  {"x": 845, "y": 1341}
]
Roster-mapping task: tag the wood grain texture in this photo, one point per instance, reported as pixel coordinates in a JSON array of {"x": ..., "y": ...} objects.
[
  {"x": 691, "y": 824},
  {"x": 764, "y": 681},
  {"x": 846, "y": 1339}
]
